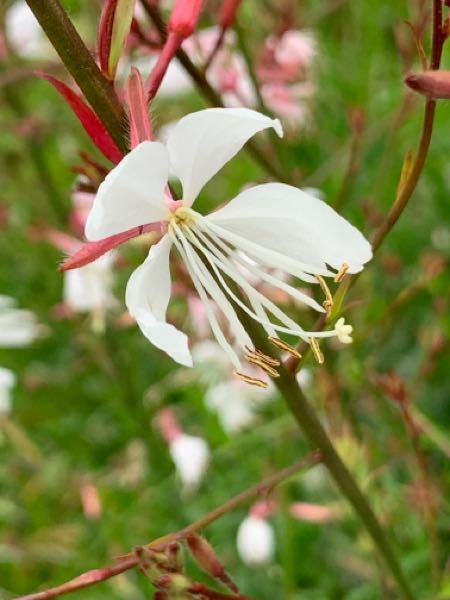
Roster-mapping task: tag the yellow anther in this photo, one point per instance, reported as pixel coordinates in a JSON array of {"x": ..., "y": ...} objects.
[
  {"x": 316, "y": 351},
  {"x": 263, "y": 365},
  {"x": 252, "y": 380},
  {"x": 285, "y": 346},
  {"x": 341, "y": 273},
  {"x": 269, "y": 360}
]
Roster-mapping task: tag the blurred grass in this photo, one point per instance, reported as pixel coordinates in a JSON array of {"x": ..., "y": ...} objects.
[{"x": 79, "y": 411}]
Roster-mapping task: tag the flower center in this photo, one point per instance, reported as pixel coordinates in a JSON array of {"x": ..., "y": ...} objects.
[{"x": 183, "y": 217}]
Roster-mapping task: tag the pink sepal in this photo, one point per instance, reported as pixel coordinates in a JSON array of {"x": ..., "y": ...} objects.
[{"x": 91, "y": 123}]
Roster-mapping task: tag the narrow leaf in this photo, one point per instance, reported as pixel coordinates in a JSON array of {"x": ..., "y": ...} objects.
[{"x": 91, "y": 123}]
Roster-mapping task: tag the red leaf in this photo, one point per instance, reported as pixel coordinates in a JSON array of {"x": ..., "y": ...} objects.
[{"x": 91, "y": 123}]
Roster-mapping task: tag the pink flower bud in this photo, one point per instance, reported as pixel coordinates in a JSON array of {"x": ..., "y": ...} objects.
[
  {"x": 184, "y": 17},
  {"x": 228, "y": 12},
  {"x": 433, "y": 84},
  {"x": 204, "y": 554},
  {"x": 313, "y": 513},
  {"x": 138, "y": 115},
  {"x": 104, "y": 36}
]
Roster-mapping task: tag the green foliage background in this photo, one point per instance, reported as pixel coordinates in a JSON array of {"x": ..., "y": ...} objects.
[{"x": 81, "y": 412}]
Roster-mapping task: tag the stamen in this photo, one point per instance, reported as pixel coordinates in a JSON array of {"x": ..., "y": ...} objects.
[
  {"x": 258, "y": 354},
  {"x": 316, "y": 351},
  {"x": 341, "y": 273},
  {"x": 252, "y": 380},
  {"x": 285, "y": 346},
  {"x": 263, "y": 365},
  {"x": 328, "y": 304},
  {"x": 292, "y": 328}
]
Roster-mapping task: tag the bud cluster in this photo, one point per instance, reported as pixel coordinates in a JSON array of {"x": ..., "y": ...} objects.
[{"x": 166, "y": 570}]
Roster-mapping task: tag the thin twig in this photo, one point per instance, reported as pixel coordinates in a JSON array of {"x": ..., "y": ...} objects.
[{"x": 125, "y": 564}]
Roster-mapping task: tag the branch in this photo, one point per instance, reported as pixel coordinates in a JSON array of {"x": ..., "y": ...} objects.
[
  {"x": 129, "y": 562},
  {"x": 410, "y": 185}
]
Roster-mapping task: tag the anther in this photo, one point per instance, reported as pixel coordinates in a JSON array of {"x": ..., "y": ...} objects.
[
  {"x": 341, "y": 273},
  {"x": 285, "y": 346},
  {"x": 269, "y": 360},
  {"x": 252, "y": 380},
  {"x": 316, "y": 351},
  {"x": 262, "y": 365}
]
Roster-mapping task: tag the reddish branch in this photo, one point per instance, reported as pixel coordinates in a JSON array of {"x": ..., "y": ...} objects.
[{"x": 129, "y": 562}]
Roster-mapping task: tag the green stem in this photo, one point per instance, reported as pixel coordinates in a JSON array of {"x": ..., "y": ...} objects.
[
  {"x": 80, "y": 64},
  {"x": 318, "y": 438}
]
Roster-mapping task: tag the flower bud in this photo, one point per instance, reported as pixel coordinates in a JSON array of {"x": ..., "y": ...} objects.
[
  {"x": 255, "y": 541},
  {"x": 191, "y": 457},
  {"x": 184, "y": 17},
  {"x": 114, "y": 26},
  {"x": 433, "y": 84},
  {"x": 228, "y": 12},
  {"x": 204, "y": 554}
]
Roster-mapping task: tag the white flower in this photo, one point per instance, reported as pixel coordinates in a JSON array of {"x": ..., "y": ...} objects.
[
  {"x": 7, "y": 382},
  {"x": 255, "y": 541},
  {"x": 24, "y": 32},
  {"x": 276, "y": 225},
  {"x": 90, "y": 288},
  {"x": 233, "y": 406},
  {"x": 17, "y": 327},
  {"x": 191, "y": 457}
]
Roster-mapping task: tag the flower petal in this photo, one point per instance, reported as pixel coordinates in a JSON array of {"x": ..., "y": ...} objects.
[
  {"x": 132, "y": 194},
  {"x": 147, "y": 297},
  {"x": 289, "y": 221},
  {"x": 202, "y": 142}
]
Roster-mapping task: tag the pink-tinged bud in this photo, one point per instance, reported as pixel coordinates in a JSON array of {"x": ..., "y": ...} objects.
[
  {"x": 313, "y": 513},
  {"x": 168, "y": 425},
  {"x": 90, "y": 501},
  {"x": 207, "y": 559},
  {"x": 104, "y": 35},
  {"x": 138, "y": 114},
  {"x": 228, "y": 12},
  {"x": 114, "y": 27},
  {"x": 433, "y": 84},
  {"x": 184, "y": 17}
]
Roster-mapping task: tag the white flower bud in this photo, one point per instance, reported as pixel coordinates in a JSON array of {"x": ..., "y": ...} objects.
[
  {"x": 255, "y": 541},
  {"x": 191, "y": 457}
]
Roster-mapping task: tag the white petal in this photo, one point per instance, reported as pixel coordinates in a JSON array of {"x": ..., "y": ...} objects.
[
  {"x": 202, "y": 142},
  {"x": 289, "y": 221},
  {"x": 132, "y": 194},
  {"x": 147, "y": 297}
]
